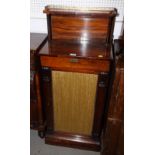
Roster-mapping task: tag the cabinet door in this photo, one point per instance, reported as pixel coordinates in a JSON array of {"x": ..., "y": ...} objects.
[
  {"x": 74, "y": 102},
  {"x": 74, "y": 97}
]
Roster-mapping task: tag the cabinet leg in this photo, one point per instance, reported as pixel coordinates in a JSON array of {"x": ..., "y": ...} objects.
[{"x": 41, "y": 134}]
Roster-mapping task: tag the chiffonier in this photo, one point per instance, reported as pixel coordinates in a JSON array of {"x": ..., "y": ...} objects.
[{"x": 75, "y": 70}]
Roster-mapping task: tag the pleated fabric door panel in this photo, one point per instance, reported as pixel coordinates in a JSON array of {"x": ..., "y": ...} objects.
[{"x": 74, "y": 96}]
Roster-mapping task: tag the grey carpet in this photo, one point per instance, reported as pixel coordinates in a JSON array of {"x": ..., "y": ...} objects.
[{"x": 38, "y": 147}]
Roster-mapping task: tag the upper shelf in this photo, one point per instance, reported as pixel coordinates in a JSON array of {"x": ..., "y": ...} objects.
[
  {"x": 68, "y": 10},
  {"x": 80, "y": 23}
]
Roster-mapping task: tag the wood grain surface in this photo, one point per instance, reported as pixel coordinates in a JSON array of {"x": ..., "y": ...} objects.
[
  {"x": 85, "y": 28},
  {"x": 80, "y": 65}
]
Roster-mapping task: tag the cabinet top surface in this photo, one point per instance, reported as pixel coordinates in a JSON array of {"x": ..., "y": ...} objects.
[
  {"x": 36, "y": 39},
  {"x": 83, "y": 49},
  {"x": 68, "y": 10}
]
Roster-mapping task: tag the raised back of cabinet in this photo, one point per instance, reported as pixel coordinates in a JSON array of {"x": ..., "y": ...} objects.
[{"x": 76, "y": 24}]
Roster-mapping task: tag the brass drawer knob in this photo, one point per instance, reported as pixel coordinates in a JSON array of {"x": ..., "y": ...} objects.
[{"x": 74, "y": 60}]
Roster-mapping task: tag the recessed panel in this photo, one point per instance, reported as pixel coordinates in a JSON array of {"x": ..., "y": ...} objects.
[
  {"x": 74, "y": 97},
  {"x": 85, "y": 28}
]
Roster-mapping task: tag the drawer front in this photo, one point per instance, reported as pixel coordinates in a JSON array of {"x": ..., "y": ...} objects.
[{"x": 76, "y": 64}]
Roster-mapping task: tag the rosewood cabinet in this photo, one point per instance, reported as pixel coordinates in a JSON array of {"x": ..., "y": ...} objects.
[
  {"x": 76, "y": 65},
  {"x": 74, "y": 94},
  {"x": 36, "y": 42}
]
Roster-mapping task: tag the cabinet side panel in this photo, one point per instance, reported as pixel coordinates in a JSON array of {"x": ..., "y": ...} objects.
[{"x": 74, "y": 101}]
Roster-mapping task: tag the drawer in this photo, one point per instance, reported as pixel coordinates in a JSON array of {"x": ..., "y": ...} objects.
[{"x": 76, "y": 64}]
